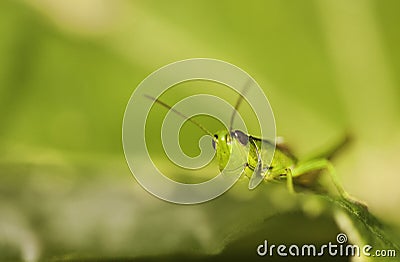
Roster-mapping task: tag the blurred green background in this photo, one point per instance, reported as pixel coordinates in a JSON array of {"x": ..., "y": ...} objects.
[{"x": 68, "y": 68}]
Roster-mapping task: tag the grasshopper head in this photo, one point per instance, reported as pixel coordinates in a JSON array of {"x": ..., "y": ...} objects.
[{"x": 222, "y": 145}]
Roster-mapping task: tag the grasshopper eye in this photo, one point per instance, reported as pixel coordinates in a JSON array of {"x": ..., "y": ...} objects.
[
  {"x": 241, "y": 137},
  {"x": 213, "y": 141}
]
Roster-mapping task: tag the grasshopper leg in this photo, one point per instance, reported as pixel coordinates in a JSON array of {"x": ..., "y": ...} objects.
[
  {"x": 324, "y": 165},
  {"x": 320, "y": 165},
  {"x": 309, "y": 166},
  {"x": 284, "y": 172}
]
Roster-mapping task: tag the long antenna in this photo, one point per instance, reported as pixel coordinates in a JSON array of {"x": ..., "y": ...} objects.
[
  {"x": 238, "y": 102},
  {"x": 180, "y": 114}
]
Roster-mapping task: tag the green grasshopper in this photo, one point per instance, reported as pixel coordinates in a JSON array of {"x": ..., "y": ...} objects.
[{"x": 284, "y": 164}]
